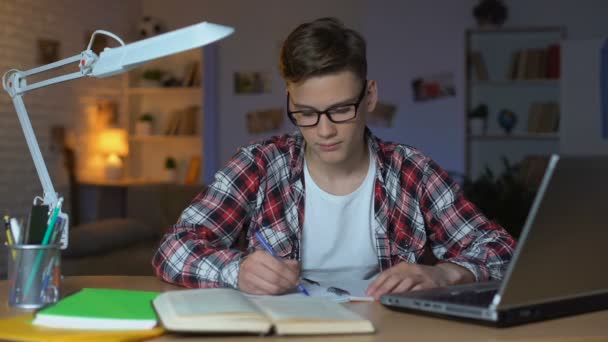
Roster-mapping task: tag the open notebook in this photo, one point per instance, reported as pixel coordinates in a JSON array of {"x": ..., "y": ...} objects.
[
  {"x": 340, "y": 291},
  {"x": 230, "y": 311}
]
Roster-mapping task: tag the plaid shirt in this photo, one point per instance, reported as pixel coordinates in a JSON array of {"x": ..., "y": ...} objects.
[{"x": 416, "y": 207}]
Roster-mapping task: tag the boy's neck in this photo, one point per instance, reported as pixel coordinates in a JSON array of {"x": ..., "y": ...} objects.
[{"x": 342, "y": 178}]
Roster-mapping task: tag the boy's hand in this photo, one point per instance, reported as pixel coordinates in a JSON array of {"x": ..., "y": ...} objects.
[
  {"x": 262, "y": 274},
  {"x": 408, "y": 277}
]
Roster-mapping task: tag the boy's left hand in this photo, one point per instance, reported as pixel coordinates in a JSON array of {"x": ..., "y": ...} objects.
[{"x": 408, "y": 277}]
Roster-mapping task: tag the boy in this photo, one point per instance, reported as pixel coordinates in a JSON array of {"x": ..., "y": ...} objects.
[{"x": 331, "y": 198}]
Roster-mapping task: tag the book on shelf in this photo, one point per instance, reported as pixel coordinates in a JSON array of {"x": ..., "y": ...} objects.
[
  {"x": 522, "y": 63},
  {"x": 478, "y": 66},
  {"x": 182, "y": 122},
  {"x": 543, "y": 117},
  {"x": 191, "y": 77},
  {"x": 513, "y": 65},
  {"x": 535, "y": 63},
  {"x": 194, "y": 168},
  {"x": 230, "y": 311},
  {"x": 553, "y": 61}
]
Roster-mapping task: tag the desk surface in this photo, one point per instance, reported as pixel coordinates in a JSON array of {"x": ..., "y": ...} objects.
[{"x": 390, "y": 325}]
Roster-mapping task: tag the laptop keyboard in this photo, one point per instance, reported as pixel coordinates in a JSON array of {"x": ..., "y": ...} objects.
[{"x": 474, "y": 298}]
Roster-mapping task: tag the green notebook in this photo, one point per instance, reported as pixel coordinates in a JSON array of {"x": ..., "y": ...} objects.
[{"x": 101, "y": 309}]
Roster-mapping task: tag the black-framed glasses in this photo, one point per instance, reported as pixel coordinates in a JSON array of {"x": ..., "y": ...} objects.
[{"x": 336, "y": 114}]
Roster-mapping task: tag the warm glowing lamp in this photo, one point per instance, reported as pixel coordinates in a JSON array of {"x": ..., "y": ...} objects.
[{"x": 113, "y": 144}]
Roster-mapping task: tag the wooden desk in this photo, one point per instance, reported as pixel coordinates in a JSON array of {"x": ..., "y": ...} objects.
[{"x": 390, "y": 325}]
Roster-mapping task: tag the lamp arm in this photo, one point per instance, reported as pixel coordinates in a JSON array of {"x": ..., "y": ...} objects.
[
  {"x": 15, "y": 83},
  {"x": 50, "y": 196}
]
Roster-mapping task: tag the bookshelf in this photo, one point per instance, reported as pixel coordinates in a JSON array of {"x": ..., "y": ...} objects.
[
  {"x": 515, "y": 70},
  {"x": 169, "y": 92}
]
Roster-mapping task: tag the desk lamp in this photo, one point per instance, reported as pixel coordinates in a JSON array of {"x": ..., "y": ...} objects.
[
  {"x": 111, "y": 61},
  {"x": 113, "y": 144}
]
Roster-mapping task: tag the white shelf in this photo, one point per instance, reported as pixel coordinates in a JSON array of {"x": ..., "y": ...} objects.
[
  {"x": 515, "y": 136},
  {"x": 148, "y": 154},
  {"x": 516, "y": 83},
  {"x": 164, "y": 138},
  {"x": 498, "y": 54},
  {"x": 193, "y": 91}
]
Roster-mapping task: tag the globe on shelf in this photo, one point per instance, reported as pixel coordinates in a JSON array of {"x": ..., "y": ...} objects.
[
  {"x": 507, "y": 120},
  {"x": 149, "y": 26}
]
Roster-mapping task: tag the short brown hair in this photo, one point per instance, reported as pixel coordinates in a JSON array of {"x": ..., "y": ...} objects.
[{"x": 320, "y": 47}]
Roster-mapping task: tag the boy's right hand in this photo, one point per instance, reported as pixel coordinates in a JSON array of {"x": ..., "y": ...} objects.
[{"x": 263, "y": 274}]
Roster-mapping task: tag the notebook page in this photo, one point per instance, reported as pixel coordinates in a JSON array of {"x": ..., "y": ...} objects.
[
  {"x": 355, "y": 281},
  {"x": 214, "y": 302},
  {"x": 285, "y": 308}
]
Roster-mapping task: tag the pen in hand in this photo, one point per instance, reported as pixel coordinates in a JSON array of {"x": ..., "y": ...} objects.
[{"x": 271, "y": 251}]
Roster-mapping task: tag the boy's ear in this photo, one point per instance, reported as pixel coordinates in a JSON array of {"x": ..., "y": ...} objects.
[{"x": 371, "y": 98}]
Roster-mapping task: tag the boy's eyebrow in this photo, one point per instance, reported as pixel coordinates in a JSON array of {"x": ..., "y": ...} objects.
[{"x": 347, "y": 101}]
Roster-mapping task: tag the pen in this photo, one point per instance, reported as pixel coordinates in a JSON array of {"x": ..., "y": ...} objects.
[
  {"x": 271, "y": 251},
  {"x": 57, "y": 231},
  {"x": 47, "y": 274},
  {"x": 16, "y": 230},
  {"x": 9, "y": 236}
]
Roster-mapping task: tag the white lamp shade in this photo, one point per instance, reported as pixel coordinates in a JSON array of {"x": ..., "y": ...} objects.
[{"x": 117, "y": 60}]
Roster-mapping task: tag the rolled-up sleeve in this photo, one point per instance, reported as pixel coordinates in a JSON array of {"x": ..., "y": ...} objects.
[
  {"x": 458, "y": 230},
  {"x": 198, "y": 250}
]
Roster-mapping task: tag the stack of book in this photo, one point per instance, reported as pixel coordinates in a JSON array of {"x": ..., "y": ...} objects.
[
  {"x": 543, "y": 117},
  {"x": 535, "y": 63},
  {"x": 182, "y": 122}
]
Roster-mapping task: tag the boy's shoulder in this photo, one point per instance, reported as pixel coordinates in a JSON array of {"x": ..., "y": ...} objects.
[
  {"x": 390, "y": 151},
  {"x": 275, "y": 144}
]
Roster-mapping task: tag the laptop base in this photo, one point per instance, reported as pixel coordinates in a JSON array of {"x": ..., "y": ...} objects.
[{"x": 524, "y": 315}]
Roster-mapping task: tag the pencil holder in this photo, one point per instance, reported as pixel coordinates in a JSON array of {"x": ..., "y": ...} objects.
[{"x": 34, "y": 275}]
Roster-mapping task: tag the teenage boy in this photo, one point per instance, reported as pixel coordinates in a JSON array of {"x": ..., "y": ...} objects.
[{"x": 331, "y": 198}]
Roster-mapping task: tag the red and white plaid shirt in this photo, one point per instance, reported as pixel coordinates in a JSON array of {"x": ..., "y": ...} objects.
[{"x": 417, "y": 206}]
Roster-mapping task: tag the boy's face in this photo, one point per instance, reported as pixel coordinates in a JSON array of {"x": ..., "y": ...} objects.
[{"x": 329, "y": 142}]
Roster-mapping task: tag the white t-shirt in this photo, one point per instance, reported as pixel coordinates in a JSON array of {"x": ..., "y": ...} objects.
[{"x": 337, "y": 237}]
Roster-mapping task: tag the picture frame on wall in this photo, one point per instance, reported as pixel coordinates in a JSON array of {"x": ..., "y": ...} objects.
[
  {"x": 266, "y": 120},
  {"x": 433, "y": 86},
  {"x": 48, "y": 51},
  {"x": 252, "y": 82}
]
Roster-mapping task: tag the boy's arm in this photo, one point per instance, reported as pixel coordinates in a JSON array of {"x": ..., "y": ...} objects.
[
  {"x": 198, "y": 250},
  {"x": 459, "y": 232}
]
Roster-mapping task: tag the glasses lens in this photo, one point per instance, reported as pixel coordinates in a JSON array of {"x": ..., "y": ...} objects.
[
  {"x": 342, "y": 113},
  {"x": 305, "y": 118}
]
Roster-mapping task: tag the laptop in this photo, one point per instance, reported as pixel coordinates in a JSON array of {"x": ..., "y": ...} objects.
[{"x": 558, "y": 267}]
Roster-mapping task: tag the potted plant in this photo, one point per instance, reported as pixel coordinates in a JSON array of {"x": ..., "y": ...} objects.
[
  {"x": 151, "y": 78},
  {"x": 170, "y": 171},
  {"x": 478, "y": 119},
  {"x": 143, "y": 126},
  {"x": 505, "y": 198},
  {"x": 490, "y": 13}
]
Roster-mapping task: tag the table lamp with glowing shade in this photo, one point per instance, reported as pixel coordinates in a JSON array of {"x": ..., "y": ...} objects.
[
  {"x": 113, "y": 144},
  {"x": 111, "y": 61}
]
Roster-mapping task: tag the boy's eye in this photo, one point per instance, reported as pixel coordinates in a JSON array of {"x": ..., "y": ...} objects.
[
  {"x": 308, "y": 113},
  {"x": 340, "y": 110}
]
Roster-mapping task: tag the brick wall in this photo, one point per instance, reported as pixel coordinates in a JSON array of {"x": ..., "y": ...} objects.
[{"x": 23, "y": 22}]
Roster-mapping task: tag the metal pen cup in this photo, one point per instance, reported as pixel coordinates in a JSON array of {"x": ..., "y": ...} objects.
[{"x": 34, "y": 275}]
